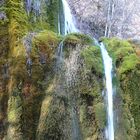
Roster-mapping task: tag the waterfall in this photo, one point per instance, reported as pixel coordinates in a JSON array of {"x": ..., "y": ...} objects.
[
  {"x": 69, "y": 21},
  {"x": 36, "y": 7},
  {"x": 28, "y": 6},
  {"x": 71, "y": 67},
  {"x": 69, "y": 26},
  {"x": 109, "y": 89}
]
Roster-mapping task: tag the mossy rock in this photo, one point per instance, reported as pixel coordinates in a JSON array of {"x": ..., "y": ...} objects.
[
  {"x": 93, "y": 59},
  {"x": 77, "y": 38},
  {"x": 100, "y": 113},
  {"x": 123, "y": 54}
]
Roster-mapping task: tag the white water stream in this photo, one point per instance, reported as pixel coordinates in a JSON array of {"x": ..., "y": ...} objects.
[
  {"x": 69, "y": 20},
  {"x": 109, "y": 90}
]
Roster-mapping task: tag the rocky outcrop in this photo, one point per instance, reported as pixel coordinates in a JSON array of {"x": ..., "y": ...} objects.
[{"x": 73, "y": 97}]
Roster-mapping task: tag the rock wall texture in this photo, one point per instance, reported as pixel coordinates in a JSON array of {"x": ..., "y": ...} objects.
[{"x": 51, "y": 85}]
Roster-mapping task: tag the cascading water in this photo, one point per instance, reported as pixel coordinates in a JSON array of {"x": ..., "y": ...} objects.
[
  {"x": 36, "y": 7},
  {"x": 69, "y": 26},
  {"x": 109, "y": 88},
  {"x": 28, "y": 6},
  {"x": 71, "y": 67}
]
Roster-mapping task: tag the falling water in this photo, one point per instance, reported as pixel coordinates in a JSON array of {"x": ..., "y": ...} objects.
[
  {"x": 69, "y": 20},
  {"x": 71, "y": 66},
  {"x": 108, "y": 74},
  {"x": 59, "y": 57},
  {"x": 36, "y": 7},
  {"x": 69, "y": 26},
  {"x": 28, "y": 6}
]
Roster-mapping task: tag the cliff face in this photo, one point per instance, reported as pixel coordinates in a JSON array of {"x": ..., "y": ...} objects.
[
  {"x": 127, "y": 66},
  {"x": 51, "y": 85},
  {"x": 41, "y": 98}
]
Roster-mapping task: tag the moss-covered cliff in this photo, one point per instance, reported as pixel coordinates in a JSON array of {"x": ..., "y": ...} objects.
[
  {"x": 37, "y": 102},
  {"x": 51, "y": 85},
  {"x": 127, "y": 67}
]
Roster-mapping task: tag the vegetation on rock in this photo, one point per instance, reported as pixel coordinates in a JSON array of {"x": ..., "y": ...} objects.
[{"x": 127, "y": 64}]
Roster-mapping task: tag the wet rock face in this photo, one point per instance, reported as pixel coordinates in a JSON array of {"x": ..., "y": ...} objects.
[
  {"x": 67, "y": 112},
  {"x": 44, "y": 104}
]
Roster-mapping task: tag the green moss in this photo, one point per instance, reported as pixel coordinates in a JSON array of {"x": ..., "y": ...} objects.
[
  {"x": 118, "y": 48},
  {"x": 85, "y": 39},
  {"x": 123, "y": 53},
  {"x": 76, "y": 38},
  {"x": 129, "y": 63},
  {"x": 45, "y": 42},
  {"x": 52, "y": 12},
  {"x": 93, "y": 60},
  {"x": 47, "y": 38},
  {"x": 15, "y": 110},
  {"x": 100, "y": 114}
]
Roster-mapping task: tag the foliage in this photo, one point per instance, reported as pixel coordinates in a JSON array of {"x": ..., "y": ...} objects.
[
  {"x": 52, "y": 13},
  {"x": 93, "y": 60},
  {"x": 123, "y": 54},
  {"x": 100, "y": 114},
  {"x": 76, "y": 38},
  {"x": 46, "y": 43},
  {"x": 127, "y": 64}
]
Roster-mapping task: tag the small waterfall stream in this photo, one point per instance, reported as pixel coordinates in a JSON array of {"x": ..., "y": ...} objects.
[
  {"x": 71, "y": 65},
  {"x": 109, "y": 89},
  {"x": 69, "y": 27},
  {"x": 68, "y": 19}
]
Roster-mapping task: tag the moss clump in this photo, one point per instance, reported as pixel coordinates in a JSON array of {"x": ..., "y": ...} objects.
[
  {"x": 85, "y": 39},
  {"x": 129, "y": 63},
  {"x": 100, "y": 114},
  {"x": 15, "y": 109},
  {"x": 123, "y": 54},
  {"x": 76, "y": 38},
  {"x": 47, "y": 38},
  {"x": 52, "y": 12},
  {"x": 93, "y": 59},
  {"x": 118, "y": 48},
  {"x": 45, "y": 44}
]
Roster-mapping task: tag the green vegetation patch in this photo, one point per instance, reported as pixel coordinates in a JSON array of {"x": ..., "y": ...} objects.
[
  {"x": 127, "y": 62},
  {"x": 52, "y": 13},
  {"x": 123, "y": 54},
  {"x": 76, "y": 38},
  {"x": 100, "y": 113},
  {"x": 45, "y": 43},
  {"x": 93, "y": 59},
  {"x": 46, "y": 37}
]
